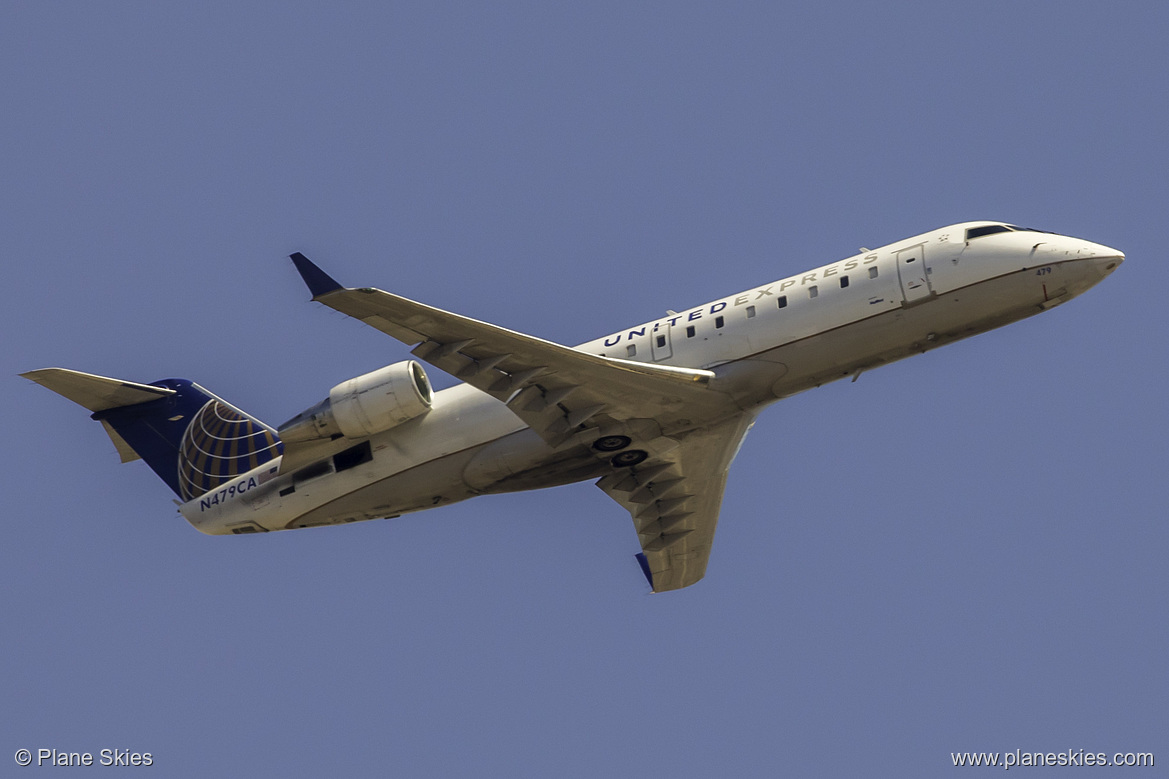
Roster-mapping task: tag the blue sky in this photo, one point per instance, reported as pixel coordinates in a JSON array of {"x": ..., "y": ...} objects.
[{"x": 964, "y": 551}]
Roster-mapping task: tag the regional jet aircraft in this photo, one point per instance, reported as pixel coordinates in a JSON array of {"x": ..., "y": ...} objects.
[{"x": 653, "y": 413}]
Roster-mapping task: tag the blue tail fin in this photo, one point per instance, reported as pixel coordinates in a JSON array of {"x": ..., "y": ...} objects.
[{"x": 192, "y": 439}]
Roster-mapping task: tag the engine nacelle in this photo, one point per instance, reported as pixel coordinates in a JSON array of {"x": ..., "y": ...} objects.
[{"x": 368, "y": 404}]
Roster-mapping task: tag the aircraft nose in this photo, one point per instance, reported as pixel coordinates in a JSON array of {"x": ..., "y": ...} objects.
[
  {"x": 1104, "y": 259},
  {"x": 1098, "y": 251},
  {"x": 1107, "y": 256}
]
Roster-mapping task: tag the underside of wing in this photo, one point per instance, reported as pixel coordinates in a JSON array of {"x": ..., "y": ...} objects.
[{"x": 674, "y": 498}]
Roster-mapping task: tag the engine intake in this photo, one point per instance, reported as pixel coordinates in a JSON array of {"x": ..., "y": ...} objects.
[{"x": 368, "y": 404}]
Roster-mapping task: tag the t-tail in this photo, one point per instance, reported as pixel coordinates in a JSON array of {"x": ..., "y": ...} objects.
[{"x": 192, "y": 439}]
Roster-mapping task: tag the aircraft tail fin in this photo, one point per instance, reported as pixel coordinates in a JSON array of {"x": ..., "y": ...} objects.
[{"x": 192, "y": 439}]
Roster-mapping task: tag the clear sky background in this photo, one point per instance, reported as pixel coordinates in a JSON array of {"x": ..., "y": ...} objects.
[{"x": 963, "y": 551}]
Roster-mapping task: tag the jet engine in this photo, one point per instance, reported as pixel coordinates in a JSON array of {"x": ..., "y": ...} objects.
[{"x": 368, "y": 404}]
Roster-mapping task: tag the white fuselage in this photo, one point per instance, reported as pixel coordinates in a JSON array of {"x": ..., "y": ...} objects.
[{"x": 763, "y": 344}]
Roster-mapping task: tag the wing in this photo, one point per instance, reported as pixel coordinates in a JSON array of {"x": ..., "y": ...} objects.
[
  {"x": 566, "y": 396},
  {"x": 628, "y": 413},
  {"x": 674, "y": 499}
]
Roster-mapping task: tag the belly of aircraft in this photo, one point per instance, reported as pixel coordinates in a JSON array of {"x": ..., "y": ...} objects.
[
  {"x": 520, "y": 461},
  {"x": 434, "y": 483}
]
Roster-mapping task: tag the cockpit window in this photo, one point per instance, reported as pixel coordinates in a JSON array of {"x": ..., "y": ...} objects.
[{"x": 978, "y": 232}]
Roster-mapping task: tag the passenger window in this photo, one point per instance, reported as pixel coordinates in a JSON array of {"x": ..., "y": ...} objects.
[
  {"x": 843, "y": 282},
  {"x": 690, "y": 331},
  {"x": 872, "y": 273},
  {"x": 813, "y": 291},
  {"x": 631, "y": 350},
  {"x": 750, "y": 311},
  {"x": 719, "y": 321},
  {"x": 782, "y": 301},
  {"x": 661, "y": 341}
]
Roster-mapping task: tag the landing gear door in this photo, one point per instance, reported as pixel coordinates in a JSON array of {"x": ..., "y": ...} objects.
[
  {"x": 660, "y": 339},
  {"x": 911, "y": 270}
]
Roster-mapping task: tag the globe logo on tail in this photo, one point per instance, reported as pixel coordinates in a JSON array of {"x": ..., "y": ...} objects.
[{"x": 219, "y": 444}]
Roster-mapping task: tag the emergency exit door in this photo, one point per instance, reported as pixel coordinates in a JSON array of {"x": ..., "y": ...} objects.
[{"x": 660, "y": 341}]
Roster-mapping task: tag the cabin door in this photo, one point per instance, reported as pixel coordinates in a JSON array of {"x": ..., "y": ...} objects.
[{"x": 911, "y": 270}]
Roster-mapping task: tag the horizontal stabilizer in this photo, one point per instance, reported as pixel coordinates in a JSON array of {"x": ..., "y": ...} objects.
[
  {"x": 192, "y": 439},
  {"x": 99, "y": 393},
  {"x": 96, "y": 393}
]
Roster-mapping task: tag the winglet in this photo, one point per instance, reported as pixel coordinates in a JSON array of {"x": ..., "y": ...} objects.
[
  {"x": 644, "y": 563},
  {"x": 318, "y": 282}
]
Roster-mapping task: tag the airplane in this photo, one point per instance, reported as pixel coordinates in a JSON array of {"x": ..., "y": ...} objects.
[{"x": 655, "y": 413}]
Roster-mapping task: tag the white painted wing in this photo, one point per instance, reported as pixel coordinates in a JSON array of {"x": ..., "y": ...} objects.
[
  {"x": 674, "y": 499},
  {"x": 564, "y": 395}
]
